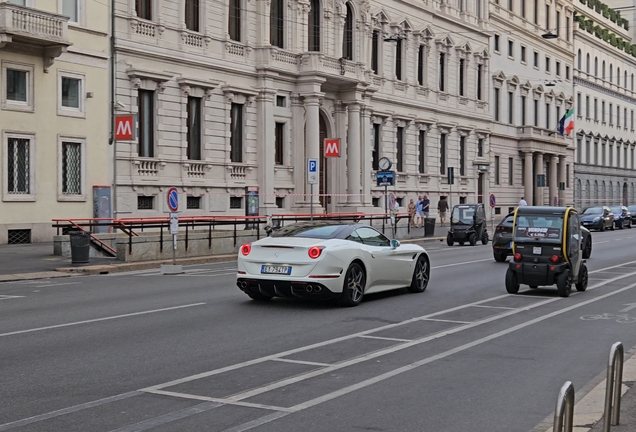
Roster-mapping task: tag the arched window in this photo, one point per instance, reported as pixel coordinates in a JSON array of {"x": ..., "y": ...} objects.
[
  {"x": 580, "y": 60},
  {"x": 611, "y": 73},
  {"x": 234, "y": 24},
  {"x": 595, "y": 66},
  {"x": 587, "y": 63},
  {"x": 314, "y": 26},
  {"x": 276, "y": 22},
  {"x": 603, "y": 70},
  {"x": 347, "y": 39}
]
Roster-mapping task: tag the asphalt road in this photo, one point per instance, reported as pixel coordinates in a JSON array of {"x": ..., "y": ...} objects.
[{"x": 142, "y": 351}]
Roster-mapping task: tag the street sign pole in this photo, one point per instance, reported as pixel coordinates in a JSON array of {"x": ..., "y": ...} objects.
[
  {"x": 173, "y": 206},
  {"x": 312, "y": 178},
  {"x": 311, "y": 202}
]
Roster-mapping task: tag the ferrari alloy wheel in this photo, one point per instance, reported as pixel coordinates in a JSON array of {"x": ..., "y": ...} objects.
[
  {"x": 587, "y": 249},
  {"x": 420, "y": 275},
  {"x": 564, "y": 283},
  {"x": 354, "y": 283},
  {"x": 512, "y": 286},
  {"x": 581, "y": 284}
]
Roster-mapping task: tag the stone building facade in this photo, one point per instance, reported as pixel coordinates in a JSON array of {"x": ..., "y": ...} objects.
[
  {"x": 531, "y": 90},
  {"x": 604, "y": 172},
  {"x": 53, "y": 114},
  {"x": 235, "y": 94}
]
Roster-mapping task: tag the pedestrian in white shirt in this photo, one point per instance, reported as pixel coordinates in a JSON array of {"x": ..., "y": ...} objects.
[{"x": 522, "y": 202}]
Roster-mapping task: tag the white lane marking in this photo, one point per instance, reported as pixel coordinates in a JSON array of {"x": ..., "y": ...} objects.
[
  {"x": 63, "y": 411},
  {"x": 310, "y": 363},
  {"x": 169, "y": 418},
  {"x": 461, "y": 263},
  {"x": 99, "y": 319},
  {"x": 258, "y": 422},
  {"x": 606, "y": 241},
  {"x": 612, "y": 267},
  {"x": 447, "y": 321},
  {"x": 8, "y": 297},
  {"x": 58, "y": 284},
  {"x": 386, "y": 338},
  {"x": 495, "y": 307},
  {"x": 307, "y": 347},
  {"x": 219, "y": 400}
]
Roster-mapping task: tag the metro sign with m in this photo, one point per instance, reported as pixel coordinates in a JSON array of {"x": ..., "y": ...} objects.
[
  {"x": 332, "y": 147},
  {"x": 124, "y": 127}
]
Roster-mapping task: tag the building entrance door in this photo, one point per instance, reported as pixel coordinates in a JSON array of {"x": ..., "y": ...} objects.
[
  {"x": 324, "y": 200},
  {"x": 480, "y": 188}
]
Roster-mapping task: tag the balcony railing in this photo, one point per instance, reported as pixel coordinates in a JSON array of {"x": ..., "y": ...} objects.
[{"x": 32, "y": 25}]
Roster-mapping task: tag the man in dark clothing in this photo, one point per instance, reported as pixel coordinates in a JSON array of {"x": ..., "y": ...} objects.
[{"x": 442, "y": 208}]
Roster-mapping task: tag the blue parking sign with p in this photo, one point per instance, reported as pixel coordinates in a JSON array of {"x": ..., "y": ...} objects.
[
  {"x": 312, "y": 171},
  {"x": 313, "y": 165}
]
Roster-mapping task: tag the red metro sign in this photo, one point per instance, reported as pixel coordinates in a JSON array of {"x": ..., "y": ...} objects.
[
  {"x": 124, "y": 128},
  {"x": 332, "y": 147}
]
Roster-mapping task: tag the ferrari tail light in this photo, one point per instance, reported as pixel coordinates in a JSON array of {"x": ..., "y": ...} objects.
[
  {"x": 518, "y": 256},
  {"x": 554, "y": 259},
  {"x": 246, "y": 249},
  {"x": 315, "y": 251}
]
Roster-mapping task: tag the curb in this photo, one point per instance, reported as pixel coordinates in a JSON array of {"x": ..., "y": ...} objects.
[{"x": 87, "y": 270}]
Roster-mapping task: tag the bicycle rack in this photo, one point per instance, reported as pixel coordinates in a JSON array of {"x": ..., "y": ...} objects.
[
  {"x": 564, "y": 413},
  {"x": 613, "y": 387}
]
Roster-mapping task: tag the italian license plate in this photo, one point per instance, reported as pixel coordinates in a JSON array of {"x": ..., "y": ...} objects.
[
  {"x": 272, "y": 269},
  {"x": 536, "y": 250}
]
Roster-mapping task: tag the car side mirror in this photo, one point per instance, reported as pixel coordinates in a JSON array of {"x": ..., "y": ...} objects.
[{"x": 395, "y": 244}]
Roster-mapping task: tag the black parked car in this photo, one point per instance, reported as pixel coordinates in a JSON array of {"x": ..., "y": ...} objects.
[
  {"x": 622, "y": 217},
  {"x": 598, "y": 218},
  {"x": 502, "y": 240},
  {"x": 632, "y": 210}
]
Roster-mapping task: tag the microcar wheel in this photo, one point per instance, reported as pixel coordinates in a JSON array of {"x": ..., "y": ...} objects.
[
  {"x": 512, "y": 286},
  {"x": 472, "y": 239},
  {"x": 581, "y": 285},
  {"x": 421, "y": 275},
  {"x": 484, "y": 238},
  {"x": 353, "y": 288},
  {"x": 449, "y": 240},
  {"x": 564, "y": 283},
  {"x": 499, "y": 256}
]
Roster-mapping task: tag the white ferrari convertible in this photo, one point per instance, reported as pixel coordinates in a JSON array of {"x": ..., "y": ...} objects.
[{"x": 327, "y": 260}]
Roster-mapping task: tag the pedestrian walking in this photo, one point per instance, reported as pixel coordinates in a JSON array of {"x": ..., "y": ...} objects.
[
  {"x": 442, "y": 208},
  {"x": 411, "y": 209},
  {"x": 426, "y": 208},
  {"x": 522, "y": 202}
]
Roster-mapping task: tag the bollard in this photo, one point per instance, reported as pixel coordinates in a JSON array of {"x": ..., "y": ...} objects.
[
  {"x": 613, "y": 386},
  {"x": 564, "y": 412}
]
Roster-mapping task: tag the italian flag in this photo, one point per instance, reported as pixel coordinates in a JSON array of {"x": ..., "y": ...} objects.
[{"x": 566, "y": 124}]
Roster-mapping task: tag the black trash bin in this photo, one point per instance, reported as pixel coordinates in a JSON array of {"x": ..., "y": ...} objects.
[
  {"x": 80, "y": 246},
  {"x": 429, "y": 227}
]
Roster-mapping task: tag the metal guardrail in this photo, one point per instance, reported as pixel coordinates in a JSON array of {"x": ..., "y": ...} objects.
[
  {"x": 161, "y": 224},
  {"x": 613, "y": 386},
  {"x": 564, "y": 412}
]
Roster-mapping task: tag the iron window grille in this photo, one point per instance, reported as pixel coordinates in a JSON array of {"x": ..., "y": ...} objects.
[
  {"x": 18, "y": 166},
  {"x": 193, "y": 203},
  {"x": 145, "y": 202},
  {"x": 71, "y": 168}
]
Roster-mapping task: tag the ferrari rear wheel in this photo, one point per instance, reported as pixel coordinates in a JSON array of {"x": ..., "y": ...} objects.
[
  {"x": 420, "y": 275},
  {"x": 353, "y": 289}
]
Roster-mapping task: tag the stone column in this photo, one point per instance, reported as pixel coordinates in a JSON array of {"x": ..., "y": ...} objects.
[
  {"x": 538, "y": 169},
  {"x": 312, "y": 139},
  {"x": 553, "y": 186},
  {"x": 527, "y": 178},
  {"x": 298, "y": 151},
  {"x": 353, "y": 155},
  {"x": 562, "y": 180},
  {"x": 339, "y": 23},
  {"x": 266, "y": 151},
  {"x": 365, "y": 150}
]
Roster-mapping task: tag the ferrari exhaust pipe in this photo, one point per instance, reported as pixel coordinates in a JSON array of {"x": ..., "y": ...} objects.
[
  {"x": 309, "y": 288},
  {"x": 243, "y": 284},
  {"x": 318, "y": 289}
]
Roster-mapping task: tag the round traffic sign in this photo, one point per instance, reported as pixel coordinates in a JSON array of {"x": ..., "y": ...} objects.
[
  {"x": 493, "y": 200},
  {"x": 173, "y": 199}
]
